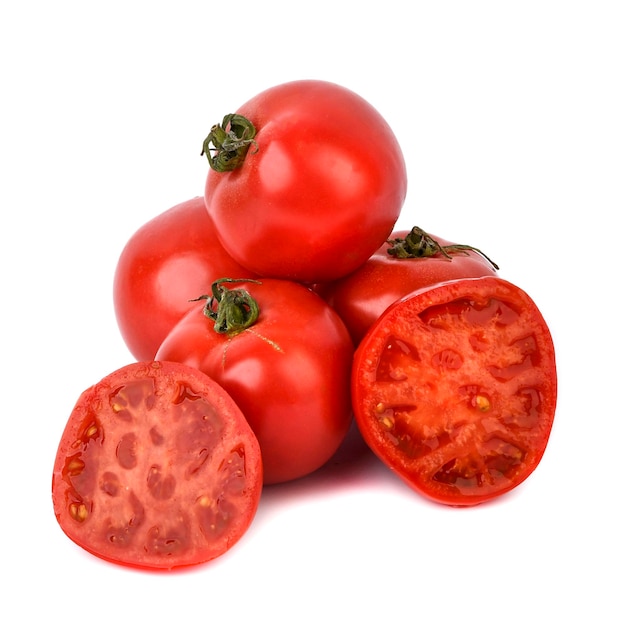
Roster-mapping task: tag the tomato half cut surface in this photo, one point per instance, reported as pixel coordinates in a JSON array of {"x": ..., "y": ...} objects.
[
  {"x": 156, "y": 468},
  {"x": 454, "y": 388}
]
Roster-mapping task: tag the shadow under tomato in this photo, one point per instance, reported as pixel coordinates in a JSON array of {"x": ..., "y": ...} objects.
[{"x": 353, "y": 465}]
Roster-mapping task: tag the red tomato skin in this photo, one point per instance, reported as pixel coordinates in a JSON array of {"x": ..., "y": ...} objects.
[
  {"x": 322, "y": 191},
  {"x": 168, "y": 261},
  {"x": 157, "y": 468},
  {"x": 486, "y": 401},
  {"x": 362, "y": 296},
  {"x": 289, "y": 373}
]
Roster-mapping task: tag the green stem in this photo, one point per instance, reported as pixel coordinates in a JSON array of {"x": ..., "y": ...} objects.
[
  {"x": 231, "y": 141},
  {"x": 232, "y": 310},
  {"x": 419, "y": 244}
]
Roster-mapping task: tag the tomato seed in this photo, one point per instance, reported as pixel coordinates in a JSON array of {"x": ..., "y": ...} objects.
[
  {"x": 204, "y": 501},
  {"x": 482, "y": 403}
]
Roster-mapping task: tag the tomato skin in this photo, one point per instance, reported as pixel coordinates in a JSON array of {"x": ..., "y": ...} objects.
[
  {"x": 321, "y": 190},
  {"x": 362, "y": 296},
  {"x": 289, "y": 373},
  {"x": 168, "y": 261},
  {"x": 455, "y": 387},
  {"x": 157, "y": 468}
]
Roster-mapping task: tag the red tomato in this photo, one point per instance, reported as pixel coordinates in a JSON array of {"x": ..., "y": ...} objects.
[
  {"x": 170, "y": 260},
  {"x": 157, "y": 468},
  {"x": 418, "y": 260},
  {"x": 454, "y": 388},
  {"x": 320, "y": 188},
  {"x": 289, "y": 371}
]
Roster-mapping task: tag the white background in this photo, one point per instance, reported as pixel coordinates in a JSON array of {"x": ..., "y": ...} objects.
[{"x": 511, "y": 116}]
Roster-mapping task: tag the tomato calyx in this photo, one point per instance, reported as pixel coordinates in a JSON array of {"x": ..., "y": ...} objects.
[
  {"x": 231, "y": 140},
  {"x": 232, "y": 310},
  {"x": 419, "y": 244}
]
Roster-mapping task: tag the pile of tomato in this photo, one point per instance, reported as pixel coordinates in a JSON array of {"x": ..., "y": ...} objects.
[{"x": 268, "y": 314}]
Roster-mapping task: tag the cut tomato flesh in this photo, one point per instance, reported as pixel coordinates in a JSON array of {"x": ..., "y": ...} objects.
[
  {"x": 455, "y": 389},
  {"x": 157, "y": 468}
]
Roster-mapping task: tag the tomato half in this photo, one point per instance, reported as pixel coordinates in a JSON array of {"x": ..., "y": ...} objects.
[
  {"x": 410, "y": 260},
  {"x": 289, "y": 371},
  {"x": 455, "y": 387},
  {"x": 157, "y": 468},
  {"x": 170, "y": 260},
  {"x": 319, "y": 186}
]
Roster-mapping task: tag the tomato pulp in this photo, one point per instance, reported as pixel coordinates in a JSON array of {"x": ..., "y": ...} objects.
[
  {"x": 455, "y": 387},
  {"x": 157, "y": 468}
]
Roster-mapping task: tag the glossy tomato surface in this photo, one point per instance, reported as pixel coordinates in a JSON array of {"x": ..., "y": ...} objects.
[
  {"x": 319, "y": 190},
  {"x": 362, "y": 296},
  {"x": 156, "y": 468},
  {"x": 170, "y": 260},
  {"x": 455, "y": 388},
  {"x": 289, "y": 373}
]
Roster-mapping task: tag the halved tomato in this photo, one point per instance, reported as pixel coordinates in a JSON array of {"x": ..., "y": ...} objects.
[
  {"x": 157, "y": 468},
  {"x": 455, "y": 388}
]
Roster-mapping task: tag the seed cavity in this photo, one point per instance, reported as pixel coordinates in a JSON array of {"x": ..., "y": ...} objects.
[
  {"x": 129, "y": 397},
  {"x": 156, "y": 437},
  {"x": 447, "y": 359},
  {"x": 78, "y": 511},
  {"x": 184, "y": 392},
  {"x": 110, "y": 484},
  {"x": 476, "y": 397},
  {"x": 74, "y": 465},
  {"x": 167, "y": 542},
  {"x": 396, "y": 360},
  {"x": 527, "y": 410},
  {"x": 161, "y": 486},
  {"x": 126, "y": 451},
  {"x": 384, "y": 415},
  {"x": 90, "y": 430},
  {"x": 122, "y": 534}
]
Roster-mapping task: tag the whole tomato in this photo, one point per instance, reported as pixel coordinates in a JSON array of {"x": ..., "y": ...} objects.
[
  {"x": 307, "y": 179},
  {"x": 285, "y": 357},
  {"x": 169, "y": 261},
  {"x": 408, "y": 261}
]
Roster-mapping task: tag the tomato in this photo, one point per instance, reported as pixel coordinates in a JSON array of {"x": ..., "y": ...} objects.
[
  {"x": 454, "y": 388},
  {"x": 170, "y": 260},
  {"x": 285, "y": 358},
  {"x": 408, "y": 261},
  {"x": 157, "y": 468},
  {"x": 318, "y": 184}
]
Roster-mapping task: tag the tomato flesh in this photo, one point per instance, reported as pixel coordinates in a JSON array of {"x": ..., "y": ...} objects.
[
  {"x": 455, "y": 389},
  {"x": 156, "y": 468}
]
